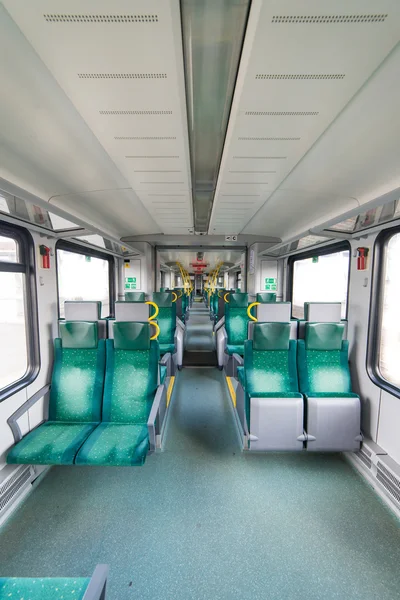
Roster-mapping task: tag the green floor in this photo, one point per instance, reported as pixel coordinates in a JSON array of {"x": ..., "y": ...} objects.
[{"x": 204, "y": 521}]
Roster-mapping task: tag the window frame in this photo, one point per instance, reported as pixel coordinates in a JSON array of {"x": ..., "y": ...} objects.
[
  {"x": 79, "y": 249},
  {"x": 26, "y": 266},
  {"x": 330, "y": 249},
  {"x": 378, "y": 270}
]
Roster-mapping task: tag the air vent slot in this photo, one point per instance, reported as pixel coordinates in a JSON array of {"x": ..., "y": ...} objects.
[
  {"x": 13, "y": 485},
  {"x": 148, "y": 137},
  {"x": 122, "y": 75},
  {"x": 394, "y": 480},
  {"x": 321, "y": 19},
  {"x": 135, "y": 112},
  {"x": 300, "y": 76},
  {"x": 268, "y": 139},
  {"x": 395, "y": 493},
  {"x": 71, "y": 18},
  {"x": 365, "y": 459},
  {"x": 262, "y": 113}
]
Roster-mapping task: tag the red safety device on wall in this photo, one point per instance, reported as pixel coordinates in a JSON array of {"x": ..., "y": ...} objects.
[
  {"x": 45, "y": 256},
  {"x": 362, "y": 254}
]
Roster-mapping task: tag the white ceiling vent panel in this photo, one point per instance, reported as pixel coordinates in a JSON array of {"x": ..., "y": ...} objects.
[
  {"x": 123, "y": 71},
  {"x": 298, "y": 71}
]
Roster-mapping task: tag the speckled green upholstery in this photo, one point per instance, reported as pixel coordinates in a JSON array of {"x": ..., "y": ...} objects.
[
  {"x": 43, "y": 588},
  {"x": 166, "y": 320},
  {"x": 323, "y": 360},
  {"x": 163, "y": 373},
  {"x": 135, "y": 296},
  {"x": 129, "y": 390},
  {"x": 75, "y": 399},
  {"x": 270, "y": 364},
  {"x": 236, "y": 322},
  {"x": 264, "y": 298}
]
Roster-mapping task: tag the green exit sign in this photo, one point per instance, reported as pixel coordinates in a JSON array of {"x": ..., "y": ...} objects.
[
  {"x": 270, "y": 284},
  {"x": 131, "y": 279}
]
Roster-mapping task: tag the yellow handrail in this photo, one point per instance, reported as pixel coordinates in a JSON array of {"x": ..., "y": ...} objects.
[
  {"x": 249, "y": 310},
  {"x": 157, "y": 333},
  {"x": 176, "y": 297},
  {"x": 225, "y": 295},
  {"x": 153, "y": 316}
]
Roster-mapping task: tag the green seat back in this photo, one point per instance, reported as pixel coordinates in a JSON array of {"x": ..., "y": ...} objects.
[
  {"x": 323, "y": 359},
  {"x": 266, "y": 297},
  {"x": 78, "y": 373},
  {"x": 43, "y": 588},
  {"x": 135, "y": 296},
  {"x": 131, "y": 374},
  {"x": 236, "y": 319},
  {"x": 166, "y": 318}
]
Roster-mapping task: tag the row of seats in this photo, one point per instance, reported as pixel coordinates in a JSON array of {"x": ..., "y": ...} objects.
[
  {"x": 107, "y": 401},
  {"x": 297, "y": 394}
]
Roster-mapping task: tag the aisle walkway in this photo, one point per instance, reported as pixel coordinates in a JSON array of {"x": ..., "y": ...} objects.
[
  {"x": 199, "y": 339},
  {"x": 204, "y": 521}
]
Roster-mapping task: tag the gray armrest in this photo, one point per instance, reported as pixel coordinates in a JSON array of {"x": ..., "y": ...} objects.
[
  {"x": 237, "y": 362},
  {"x": 96, "y": 590},
  {"x": 156, "y": 415},
  {"x": 219, "y": 323},
  {"x": 167, "y": 362},
  {"x": 180, "y": 324},
  {"x": 13, "y": 419}
]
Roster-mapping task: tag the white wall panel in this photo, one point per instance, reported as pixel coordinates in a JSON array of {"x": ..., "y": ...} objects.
[{"x": 389, "y": 419}]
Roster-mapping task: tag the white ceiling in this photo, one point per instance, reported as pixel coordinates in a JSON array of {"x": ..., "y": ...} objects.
[
  {"x": 323, "y": 114},
  {"x": 299, "y": 69},
  {"x": 125, "y": 78}
]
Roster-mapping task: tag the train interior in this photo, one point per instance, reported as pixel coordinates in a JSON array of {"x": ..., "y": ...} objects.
[{"x": 199, "y": 287}]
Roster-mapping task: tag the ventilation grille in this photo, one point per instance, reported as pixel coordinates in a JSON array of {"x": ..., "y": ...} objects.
[
  {"x": 394, "y": 480},
  {"x": 148, "y": 137},
  {"x": 58, "y": 18},
  {"x": 122, "y": 75},
  {"x": 300, "y": 76},
  {"x": 13, "y": 485},
  {"x": 135, "y": 112},
  {"x": 269, "y": 139},
  {"x": 328, "y": 19},
  {"x": 395, "y": 493},
  {"x": 261, "y": 113},
  {"x": 365, "y": 459}
]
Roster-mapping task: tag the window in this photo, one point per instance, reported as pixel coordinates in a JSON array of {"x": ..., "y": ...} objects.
[
  {"x": 19, "y": 348},
  {"x": 239, "y": 280},
  {"x": 388, "y": 332},
  {"x": 84, "y": 274},
  {"x": 322, "y": 277}
]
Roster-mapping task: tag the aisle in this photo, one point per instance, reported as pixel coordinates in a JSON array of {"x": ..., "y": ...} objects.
[{"x": 199, "y": 339}]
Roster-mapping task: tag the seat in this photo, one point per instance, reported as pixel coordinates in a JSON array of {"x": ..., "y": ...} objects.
[
  {"x": 56, "y": 588},
  {"x": 333, "y": 412},
  {"x": 122, "y": 439},
  {"x": 320, "y": 312},
  {"x": 272, "y": 312},
  {"x": 232, "y": 335},
  {"x": 268, "y": 401},
  {"x": 266, "y": 297},
  {"x": 171, "y": 329},
  {"x": 85, "y": 310},
  {"x": 75, "y": 398},
  {"x": 135, "y": 296}
]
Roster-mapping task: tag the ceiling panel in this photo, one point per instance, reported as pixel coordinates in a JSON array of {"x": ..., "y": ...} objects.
[
  {"x": 187, "y": 257},
  {"x": 121, "y": 65},
  {"x": 299, "y": 69}
]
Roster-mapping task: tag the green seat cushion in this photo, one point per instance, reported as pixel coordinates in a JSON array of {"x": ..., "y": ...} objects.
[
  {"x": 115, "y": 445},
  {"x": 235, "y": 349},
  {"x": 52, "y": 443},
  {"x": 324, "y": 371},
  {"x": 240, "y": 372},
  {"x": 46, "y": 588},
  {"x": 332, "y": 395},
  {"x": 276, "y": 395},
  {"x": 163, "y": 373},
  {"x": 164, "y": 348}
]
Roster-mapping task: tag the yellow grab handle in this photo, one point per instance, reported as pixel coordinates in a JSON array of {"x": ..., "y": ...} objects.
[
  {"x": 153, "y": 316},
  {"x": 180, "y": 295},
  {"x": 157, "y": 333},
  {"x": 176, "y": 297},
  {"x": 227, "y": 294},
  {"x": 219, "y": 294},
  {"x": 249, "y": 309}
]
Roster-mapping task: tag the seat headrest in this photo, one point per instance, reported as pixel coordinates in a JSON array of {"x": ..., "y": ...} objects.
[
  {"x": 163, "y": 299},
  {"x": 131, "y": 311},
  {"x": 237, "y": 300},
  {"x": 323, "y": 312},
  {"x": 130, "y": 335},
  {"x": 271, "y": 336},
  {"x": 269, "y": 312},
  {"x": 81, "y": 310},
  {"x": 79, "y": 334},
  {"x": 324, "y": 336},
  {"x": 267, "y": 297},
  {"x": 135, "y": 296}
]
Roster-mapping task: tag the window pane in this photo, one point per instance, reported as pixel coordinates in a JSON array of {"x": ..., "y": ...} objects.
[
  {"x": 8, "y": 250},
  {"x": 390, "y": 324},
  {"x": 83, "y": 278},
  {"x": 13, "y": 334},
  {"x": 320, "y": 279}
]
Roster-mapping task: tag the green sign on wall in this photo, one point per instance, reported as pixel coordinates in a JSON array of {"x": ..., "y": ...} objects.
[
  {"x": 130, "y": 283},
  {"x": 270, "y": 284}
]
